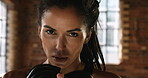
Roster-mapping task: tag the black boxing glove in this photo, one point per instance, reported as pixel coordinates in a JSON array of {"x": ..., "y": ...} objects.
[
  {"x": 78, "y": 74},
  {"x": 44, "y": 71},
  {"x": 49, "y": 71}
]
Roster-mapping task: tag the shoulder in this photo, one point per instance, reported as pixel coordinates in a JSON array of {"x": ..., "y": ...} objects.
[
  {"x": 104, "y": 74},
  {"x": 22, "y": 73}
]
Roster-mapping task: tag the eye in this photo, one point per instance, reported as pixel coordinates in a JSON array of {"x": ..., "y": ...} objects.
[
  {"x": 73, "y": 34},
  {"x": 50, "y": 32}
]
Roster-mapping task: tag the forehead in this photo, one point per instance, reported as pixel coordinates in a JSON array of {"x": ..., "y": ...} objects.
[{"x": 67, "y": 17}]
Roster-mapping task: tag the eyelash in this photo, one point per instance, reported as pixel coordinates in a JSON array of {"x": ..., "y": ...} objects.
[
  {"x": 50, "y": 32},
  {"x": 73, "y": 34}
]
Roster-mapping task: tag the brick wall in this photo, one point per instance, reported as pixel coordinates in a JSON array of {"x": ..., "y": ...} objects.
[
  {"x": 24, "y": 48},
  {"x": 23, "y": 44},
  {"x": 134, "y": 40}
]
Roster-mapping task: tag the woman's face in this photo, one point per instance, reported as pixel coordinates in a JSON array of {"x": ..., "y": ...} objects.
[{"x": 62, "y": 34}]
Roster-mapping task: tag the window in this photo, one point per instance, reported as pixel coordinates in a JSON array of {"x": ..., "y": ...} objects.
[
  {"x": 2, "y": 37},
  {"x": 109, "y": 31}
]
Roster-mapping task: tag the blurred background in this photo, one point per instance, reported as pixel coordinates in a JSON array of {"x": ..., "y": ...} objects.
[{"x": 122, "y": 34}]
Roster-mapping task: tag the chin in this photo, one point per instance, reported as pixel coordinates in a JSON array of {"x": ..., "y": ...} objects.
[{"x": 58, "y": 65}]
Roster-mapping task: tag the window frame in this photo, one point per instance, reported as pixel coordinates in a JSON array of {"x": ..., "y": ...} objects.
[
  {"x": 3, "y": 36},
  {"x": 104, "y": 21}
]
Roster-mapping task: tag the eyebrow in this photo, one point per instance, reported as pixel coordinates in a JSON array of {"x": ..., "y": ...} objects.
[
  {"x": 76, "y": 29},
  {"x": 46, "y": 26}
]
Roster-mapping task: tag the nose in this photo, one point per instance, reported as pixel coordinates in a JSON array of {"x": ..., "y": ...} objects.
[{"x": 60, "y": 43}]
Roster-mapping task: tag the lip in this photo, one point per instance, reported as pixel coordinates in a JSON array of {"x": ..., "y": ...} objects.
[{"x": 59, "y": 59}]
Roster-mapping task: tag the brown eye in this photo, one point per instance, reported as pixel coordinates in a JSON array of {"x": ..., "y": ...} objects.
[
  {"x": 73, "y": 34},
  {"x": 51, "y": 32}
]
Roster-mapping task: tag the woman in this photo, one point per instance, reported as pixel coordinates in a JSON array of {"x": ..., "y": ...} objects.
[{"x": 67, "y": 29}]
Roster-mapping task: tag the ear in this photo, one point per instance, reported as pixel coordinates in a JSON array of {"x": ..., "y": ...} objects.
[
  {"x": 39, "y": 31},
  {"x": 88, "y": 37}
]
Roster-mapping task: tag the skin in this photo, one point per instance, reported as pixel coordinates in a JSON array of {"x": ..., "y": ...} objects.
[
  {"x": 60, "y": 75},
  {"x": 62, "y": 35}
]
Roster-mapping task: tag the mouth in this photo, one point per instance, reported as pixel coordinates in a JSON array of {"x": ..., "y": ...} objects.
[{"x": 59, "y": 59}]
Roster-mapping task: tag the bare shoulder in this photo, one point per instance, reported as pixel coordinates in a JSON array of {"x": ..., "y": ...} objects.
[
  {"x": 22, "y": 73},
  {"x": 104, "y": 74}
]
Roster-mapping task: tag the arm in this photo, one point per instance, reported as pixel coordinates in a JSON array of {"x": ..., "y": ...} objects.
[
  {"x": 103, "y": 74},
  {"x": 22, "y": 73},
  {"x": 8, "y": 75}
]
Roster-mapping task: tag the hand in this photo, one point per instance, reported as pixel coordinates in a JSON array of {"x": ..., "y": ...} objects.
[{"x": 59, "y": 75}]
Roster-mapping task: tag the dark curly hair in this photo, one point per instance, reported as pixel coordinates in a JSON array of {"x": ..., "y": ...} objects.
[{"x": 89, "y": 11}]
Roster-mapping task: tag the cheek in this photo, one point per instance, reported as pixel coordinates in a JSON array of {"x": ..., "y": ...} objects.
[
  {"x": 75, "y": 46},
  {"x": 47, "y": 43}
]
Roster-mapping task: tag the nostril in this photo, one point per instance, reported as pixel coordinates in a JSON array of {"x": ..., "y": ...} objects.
[{"x": 59, "y": 48}]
